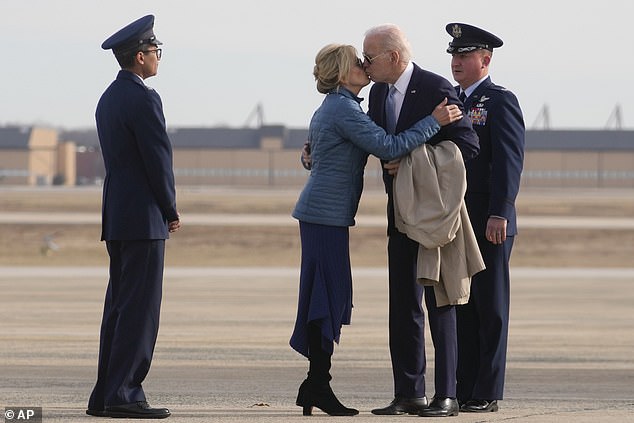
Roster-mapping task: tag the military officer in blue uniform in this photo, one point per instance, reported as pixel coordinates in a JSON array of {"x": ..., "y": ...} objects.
[
  {"x": 493, "y": 181},
  {"x": 138, "y": 213}
]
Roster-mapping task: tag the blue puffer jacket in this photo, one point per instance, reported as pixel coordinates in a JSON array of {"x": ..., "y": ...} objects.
[{"x": 341, "y": 137}]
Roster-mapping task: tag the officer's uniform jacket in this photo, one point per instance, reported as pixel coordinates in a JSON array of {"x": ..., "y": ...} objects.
[
  {"x": 139, "y": 194},
  {"x": 493, "y": 177}
]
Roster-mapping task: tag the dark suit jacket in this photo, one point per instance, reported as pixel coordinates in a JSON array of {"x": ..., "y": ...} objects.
[
  {"x": 138, "y": 194},
  {"x": 493, "y": 177},
  {"x": 424, "y": 92}
]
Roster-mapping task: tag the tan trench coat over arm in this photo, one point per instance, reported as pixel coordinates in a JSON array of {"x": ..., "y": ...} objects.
[{"x": 429, "y": 208}]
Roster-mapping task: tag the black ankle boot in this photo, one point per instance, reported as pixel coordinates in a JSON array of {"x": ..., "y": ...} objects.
[
  {"x": 322, "y": 397},
  {"x": 315, "y": 391}
]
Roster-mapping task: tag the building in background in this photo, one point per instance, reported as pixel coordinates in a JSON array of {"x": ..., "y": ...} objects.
[
  {"x": 589, "y": 158},
  {"x": 268, "y": 156},
  {"x": 34, "y": 156}
]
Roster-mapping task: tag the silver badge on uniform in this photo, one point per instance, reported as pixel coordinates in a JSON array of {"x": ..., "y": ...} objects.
[{"x": 456, "y": 31}]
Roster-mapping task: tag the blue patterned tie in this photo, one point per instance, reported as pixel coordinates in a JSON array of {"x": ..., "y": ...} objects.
[{"x": 390, "y": 111}]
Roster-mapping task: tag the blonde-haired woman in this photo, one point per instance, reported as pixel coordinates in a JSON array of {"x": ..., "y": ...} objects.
[{"x": 341, "y": 137}]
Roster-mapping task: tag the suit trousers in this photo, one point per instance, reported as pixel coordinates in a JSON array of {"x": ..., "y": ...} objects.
[
  {"x": 483, "y": 325},
  {"x": 407, "y": 322},
  {"x": 130, "y": 322}
]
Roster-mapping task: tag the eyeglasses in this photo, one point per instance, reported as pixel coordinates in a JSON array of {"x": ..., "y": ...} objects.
[
  {"x": 158, "y": 51},
  {"x": 360, "y": 63},
  {"x": 372, "y": 59}
]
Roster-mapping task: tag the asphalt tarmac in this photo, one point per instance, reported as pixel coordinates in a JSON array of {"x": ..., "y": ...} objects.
[
  {"x": 251, "y": 219},
  {"x": 222, "y": 354}
]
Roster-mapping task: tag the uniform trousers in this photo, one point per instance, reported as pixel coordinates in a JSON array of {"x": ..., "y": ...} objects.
[
  {"x": 130, "y": 322},
  {"x": 483, "y": 326}
]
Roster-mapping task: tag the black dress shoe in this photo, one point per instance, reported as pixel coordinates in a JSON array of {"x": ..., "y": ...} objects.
[
  {"x": 480, "y": 406},
  {"x": 136, "y": 410},
  {"x": 441, "y": 407},
  {"x": 402, "y": 406},
  {"x": 96, "y": 413}
]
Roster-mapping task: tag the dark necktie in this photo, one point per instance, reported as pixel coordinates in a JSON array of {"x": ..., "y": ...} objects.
[
  {"x": 462, "y": 97},
  {"x": 390, "y": 111}
]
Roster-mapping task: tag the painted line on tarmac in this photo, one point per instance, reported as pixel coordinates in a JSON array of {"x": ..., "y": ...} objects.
[
  {"x": 222, "y": 219},
  {"x": 52, "y": 272}
]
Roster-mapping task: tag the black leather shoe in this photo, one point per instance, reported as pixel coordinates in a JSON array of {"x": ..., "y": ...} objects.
[
  {"x": 480, "y": 406},
  {"x": 96, "y": 413},
  {"x": 402, "y": 406},
  {"x": 136, "y": 410},
  {"x": 441, "y": 407}
]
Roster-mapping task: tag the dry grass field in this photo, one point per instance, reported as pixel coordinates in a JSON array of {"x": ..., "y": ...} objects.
[{"x": 263, "y": 245}]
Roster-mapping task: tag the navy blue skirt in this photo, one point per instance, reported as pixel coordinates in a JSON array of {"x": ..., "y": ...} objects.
[{"x": 325, "y": 285}]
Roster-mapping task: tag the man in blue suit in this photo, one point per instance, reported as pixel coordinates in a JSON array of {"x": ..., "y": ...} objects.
[
  {"x": 138, "y": 212},
  {"x": 493, "y": 181},
  {"x": 388, "y": 62}
]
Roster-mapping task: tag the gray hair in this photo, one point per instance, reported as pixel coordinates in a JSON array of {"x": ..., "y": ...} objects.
[{"x": 392, "y": 38}]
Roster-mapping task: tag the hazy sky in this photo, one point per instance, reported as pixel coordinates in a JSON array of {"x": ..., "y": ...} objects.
[{"x": 223, "y": 58}]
